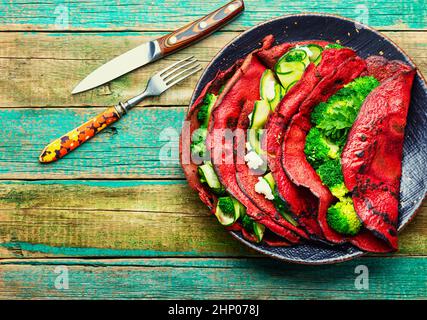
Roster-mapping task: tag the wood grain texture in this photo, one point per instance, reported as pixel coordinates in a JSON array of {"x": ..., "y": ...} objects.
[
  {"x": 170, "y": 14},
  {"x": 46, "y": 48},
  {"x": 144, "y": 144},
  {"x": 125, "y": 218},
  {"x": 389, "y": 278},
  {"x": 40, "y": 70}
]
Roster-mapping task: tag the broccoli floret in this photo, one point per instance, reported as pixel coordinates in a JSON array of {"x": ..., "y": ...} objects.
[
  {"x": 318, "y": 111},
  {"x": 318, "y": 149},
  {"x": 295, "y": 56},
  {"x": 205, "y": 110},
  {"x": 198, "y": 145},
  {"x": 339, "y": 190},
  {"x": 362, "y": 86},
  {"x": 247, "y": 223},
  {"x": 219, "y": 191},
  {"x": 336, "y": 116},
  {"x": 330, "y": 173},
  {"x": 199, "y": 135},
  {"x": 334, "y": 46},
  {"x": 198, "y": 150},
  {"x": 343, "y": 218},
  {"x": 226, "y": 205}
]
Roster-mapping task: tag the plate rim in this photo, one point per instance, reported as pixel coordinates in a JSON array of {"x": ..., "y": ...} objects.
[{"x": 254, "y": 246}]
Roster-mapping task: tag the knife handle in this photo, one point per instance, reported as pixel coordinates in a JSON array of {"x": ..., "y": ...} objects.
[
  {"x": 199, "y": 29},
  {"x": 75, "y": 138}
]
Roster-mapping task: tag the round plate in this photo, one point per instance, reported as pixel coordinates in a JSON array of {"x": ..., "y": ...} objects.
[{"x": 365, "y": 41}]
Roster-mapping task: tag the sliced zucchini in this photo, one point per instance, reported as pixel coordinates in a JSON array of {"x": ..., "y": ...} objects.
[
  {"x": 224, "y": 218},
  {"x": 288, "y": 80},
  {"x": 285, "y": 67},
  {"x": 316, "y": 52},
  {"x": 255, "y": 136},
  {"x": 226, "y": 212},
  {"x": 259, "y": 230},
  {"x": 207, "y": 174},
  {"x": 260, "y": 114},
  {"x": 239, "y": 209},
  {"x": 267, "y": 85},
  {"x": 295, "y": 55},
  {"x": 291, "y": 85},
  {"x": 270, "y": 180},
  {"x": 279, "y": 93},
  {"x": 278, "y": 202},
  {"x": 270, "y": 89}
]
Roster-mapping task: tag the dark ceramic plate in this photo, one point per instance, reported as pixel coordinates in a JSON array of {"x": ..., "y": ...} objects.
[{"x": 366, "y": 42}]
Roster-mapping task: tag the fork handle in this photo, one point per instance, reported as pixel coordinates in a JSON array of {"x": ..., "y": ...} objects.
[
  {"x": 75, "y": 138},
  {"x": 201, "y": 28}
]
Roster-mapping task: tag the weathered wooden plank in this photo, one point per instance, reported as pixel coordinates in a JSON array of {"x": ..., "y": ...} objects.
[
  {"x": 125, "y": 218},
  {"x": 142, "y": 145},
  {"x": 167, "y": 15},
  {"x": 389, "y": 278},
  {"x": 108, "y": 218},
  {"x": 40, "y": 70}
]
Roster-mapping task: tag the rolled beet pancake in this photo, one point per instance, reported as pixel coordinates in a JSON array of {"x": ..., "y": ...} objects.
[
  {"x": 245, "y": 89},
  {"x": 190, "y": 125},
  {"x": 302, "y": 204},
  {"x": 231, "y": 113},
  {"x": 220, "y": 86},
  {"x": 247, "y": 178},
  {"x": 372, "y": 158},
  {"x": 294, "y": 160}
]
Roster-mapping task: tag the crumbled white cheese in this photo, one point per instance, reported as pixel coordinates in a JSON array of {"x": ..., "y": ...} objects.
[
  {"x": 306, "y": 49},
  {"x": 263, "y": 187},
  {"x": 253, "y": 160},
  {"x": 248, "y": 146}
]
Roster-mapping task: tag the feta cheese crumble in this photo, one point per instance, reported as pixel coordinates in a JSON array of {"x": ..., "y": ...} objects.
[
  {"x": 253, "y": 160},
  {"x": 262, "y": 187}
]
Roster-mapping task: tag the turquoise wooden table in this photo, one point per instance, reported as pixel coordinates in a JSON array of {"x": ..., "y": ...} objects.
[{"x": 115, "y": 220}]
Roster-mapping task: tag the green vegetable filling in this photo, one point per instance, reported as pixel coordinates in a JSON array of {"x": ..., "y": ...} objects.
[
  {"x": 295, "y": 55},
  {"x": 342, "y": 217},
  {"x": 332, "y": 121},
  {"x": 334, "y": 46},
  {"x": 226, "y": 205},
  {"x": 198, "y": 144}
]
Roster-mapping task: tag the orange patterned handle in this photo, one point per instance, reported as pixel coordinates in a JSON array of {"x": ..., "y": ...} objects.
[
  {"x": 201, "y": 28},
  {"x": 68, "y": 142}
]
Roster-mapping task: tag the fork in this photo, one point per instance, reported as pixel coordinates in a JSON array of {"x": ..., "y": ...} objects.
[{"x": 157, "y": 84}]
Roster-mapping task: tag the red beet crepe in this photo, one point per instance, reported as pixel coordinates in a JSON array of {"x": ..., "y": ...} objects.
[{"x": 373, "y": 190}]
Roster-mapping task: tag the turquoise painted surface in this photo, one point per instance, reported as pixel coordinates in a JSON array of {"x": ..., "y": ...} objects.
[
  {"x": 166, "y": 15},
  {"x": 98, "y": 183},
  {"x": 391, "y": 278},
  {"x": 129, "y": 149},
  {"x": 94, "y": 252}
]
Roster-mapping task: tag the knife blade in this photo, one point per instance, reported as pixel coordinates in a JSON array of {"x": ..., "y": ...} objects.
[{"x": 156, "y": 49}]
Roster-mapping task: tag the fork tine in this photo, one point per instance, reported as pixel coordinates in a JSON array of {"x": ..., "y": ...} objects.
[
  {"x": 173, "y": 65},
  {"x": 193, "y": 71},
  {"x": 176, "y": 75},
  {"x": 172, "y": 72}
]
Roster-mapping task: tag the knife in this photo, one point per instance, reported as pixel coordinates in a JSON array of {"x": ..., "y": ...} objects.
[{"x": 156, "y": 49}]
